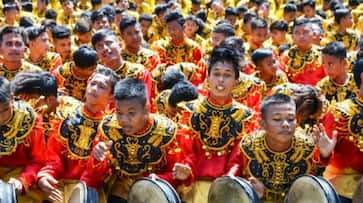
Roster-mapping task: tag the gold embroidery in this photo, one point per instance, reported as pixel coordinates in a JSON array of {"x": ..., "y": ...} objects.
[{"x": 297, "y": 60}]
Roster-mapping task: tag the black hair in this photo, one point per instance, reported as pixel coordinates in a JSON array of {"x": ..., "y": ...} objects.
[
  {"x": 235, "y": 43},
  {"x": 145, "y": 17},
  {"x": 98, "y": 15},
  {"x": 241, "y": 9},
  {"x": 174, "y": 16},
  {"x": 82, "y": 26},
  {"x": 248, "y": 17},
  {"x": 108, "y": 72},
  {"x": 260, "y": 54},
  {"x": 130, "y": 88},
  {"x": 290, "y": 8},
  {"x": 10, "y": 6},
  {"x": 196, "y": 2},
  {"x": 201, "y": 14},
  {"x": 224, "y": 55},
  {"x": 160, "y": 8},
  {"x": 357, "y": 72},
  {"x": 225, "y": 28},
  {"x": 182, "y": 91},
  {"x": 336, "y": 49},
  {"x": 335, "y": 4},
  {"x": 96, "y": 2},
  {"x": 34, "y": 32},
  {"x": 5, "y": 93},
  {"x": 61, "y": 32},
  {"x": 283, "y": 48},
  {"x": 13, "y": 30},
  {"x": 109, "y": 11},
  {"x": 310, "y": 3},
  {"x": 258, "y": 23},
  {"x": 63, "y": 1},
  {"x": 280, "y": 25},
  {"x": 340, "y": 13},
  {"x": 85, "y": 57},
  {"x": 321, "y": 13},
  {"x": 102, "y": 34},
  {"x": 231, "y": 11},
  {"x": 127, "y": 22},
  {"x": 354, "y": 3},
  {"x": 51, "y": 14},
  {"x": 171, "y": 77},
  {"x": 27, "y": 6},
  {"x": 34, "y": 82},
  {"x": 273, "y": 100},
  {"x": 300, "y": 22},
  {"x": 49, "y": 23},
  {"x": 26, "y": 21}
]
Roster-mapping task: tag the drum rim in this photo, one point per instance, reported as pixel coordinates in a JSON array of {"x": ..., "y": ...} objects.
[
  {"x": 323, "y": 183},
  {"x": 164, "y": 187},
  {"x": 250, "y": 191},
  {"x": 13, "y": 196}
]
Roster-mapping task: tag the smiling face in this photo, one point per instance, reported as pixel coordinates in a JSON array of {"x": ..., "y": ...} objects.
[{"x": 221, "y": 80}]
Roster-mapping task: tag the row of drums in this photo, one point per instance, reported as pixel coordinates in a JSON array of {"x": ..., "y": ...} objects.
[{"x": 226, "y": 189}]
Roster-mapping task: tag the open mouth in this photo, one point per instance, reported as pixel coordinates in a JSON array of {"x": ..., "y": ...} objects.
[{"x": 220, "y": 88}]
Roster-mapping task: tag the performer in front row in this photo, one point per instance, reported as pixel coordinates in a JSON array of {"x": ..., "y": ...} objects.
[
  {"x": 142, "y": 144},
  {"x": 276, "y": 155}
]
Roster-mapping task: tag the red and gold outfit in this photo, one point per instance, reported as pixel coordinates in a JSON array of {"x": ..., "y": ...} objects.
[
  {"x": 345, "y": 167},
  {"x": 25, "y": 66},
  {"x": 338, "y": 92},
  {"x": 216, "y": 132},
  {"x": 279, "y": 79},
  {"x": 153, "y": 149},
  {"x": 144, "y": 56},
  {"x": 49, "y": 62},
  {"x": 349, "y": 38},
  {"x": 303, "y": 67},
  {"x": 171, "y": 53},
  {"x": 276, "y": 170},
  {"x": 66, "y": 78},
  {"x": 22, "y": 145}
]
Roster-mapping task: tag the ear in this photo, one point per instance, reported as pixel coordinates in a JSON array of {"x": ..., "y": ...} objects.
[
  {"x": 236, "y": 83},
  {"x": 262, "y": 123}
]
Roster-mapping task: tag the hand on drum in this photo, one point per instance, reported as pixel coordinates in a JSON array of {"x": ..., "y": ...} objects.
[
  {"x": 17, "y": 184},
  {"x": 46, "y": 183},
  {"x": 322, "y": 141},
  {"x": 259, "y": 187},
  {"x": 181, "y": 171},
  {"x": 101, "y": 150}
]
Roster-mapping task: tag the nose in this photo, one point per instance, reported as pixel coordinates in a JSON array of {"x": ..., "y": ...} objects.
[{"x": 285, "y": 124}]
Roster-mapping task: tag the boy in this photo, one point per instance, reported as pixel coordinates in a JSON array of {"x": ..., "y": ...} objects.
[
  {"x": 274, "y": 156},
  {"x": 220, "y": 33},
  {"x": 302, "y": 61},
  {"x": 67, "y": 15},
  {"x": 279, "y": 36},
  {"x": 338, "y": 85},
  {"x": 259, "y": 34},
  {"x": 146, "y": 21},
  {"x": 127, "y": 134},
  {"x": 289, "y": 14},
  {"x": 133, "y": 51},
  {"x": 62, "y": 42},
  {"x": 12, "y": 48},
  {"x": 100, "y": 20},
  {"x": 267, "y": 68},
  {"x": 83, "y": 33},
  {"x": 11, "y": 14},
  {"x": 72, "y": 77},
  {"x": 71, "y": 144},
  {"x": 39, "y": 53}
]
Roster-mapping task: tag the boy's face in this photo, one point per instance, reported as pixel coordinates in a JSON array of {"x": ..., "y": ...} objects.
[
  {"x": 11, "y": 15},
  {"x": 289, "y": 16},
  {"x": 268, "y": 66},
  {"x": 132, "y": 36},
  {"x": 195, "y": 8},
  {"x": 68, "y": 7},
  {"x": 278, "y": 36},
  {"x": 145, "y": 25},
  {"x": 190, "y": 27},
  {"x": 40, "y": 44},
  {"x": 5, "y": 112},
  {"x": 131, "y": 115},
  {"x": 259, "y": 36},
  {"x": 12, "y": 47},
  {"x": 333, "y": 66},
  {"x": 63, "y": 47},
  {"x": 309, "y": 11},
  {"x": 98, "y": 91},
  {"x": 221, "y": 80},
  {"x": 175, "y": 30},
  {"x": 85, "y": 38},
  {"x": 123, "y": 4},
  {"x": 302, "y": 36},
  {"x": 280, "y": 122},
  {"x": 108, "y": 49},
  {"x": 347, "y": 21},
  {"x": 102, "y": 23},
  {"x": 217, "y": 38},
  {"x": 231, "y": 19}
]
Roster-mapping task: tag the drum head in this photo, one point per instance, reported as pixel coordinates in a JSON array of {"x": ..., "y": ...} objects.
[
  {"x": 148, "y": 190},
  {"x": 229, "y": 189},
  {"x": 358, "y": 194},
  {"x": 78, "y": 194},
  {"x": 7, "y": 193},
  {"x": 310, "y": 189}
]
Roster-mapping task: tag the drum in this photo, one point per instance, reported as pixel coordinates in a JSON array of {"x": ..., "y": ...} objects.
[
  {"x": 311, "y": 189},
  {"x": 82, "y": 194},
  {"x": 231, "y": 189},
  {"x": 358, "y": 193},
  {"x": 150, "y": 190},
  {"x": 7, "y": 193}
]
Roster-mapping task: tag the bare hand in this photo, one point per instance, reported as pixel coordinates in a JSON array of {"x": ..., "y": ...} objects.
[
  {"x": 101, "y": 149},
  {"x": 259, "y": 187},
  {"x": 153, "y": 176},
  {"x": 46, "y": 183},
  {"x": 17, "y": 184},
  {"x": 181, "y": 171},
  {"x": 322, "y": 141}
]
